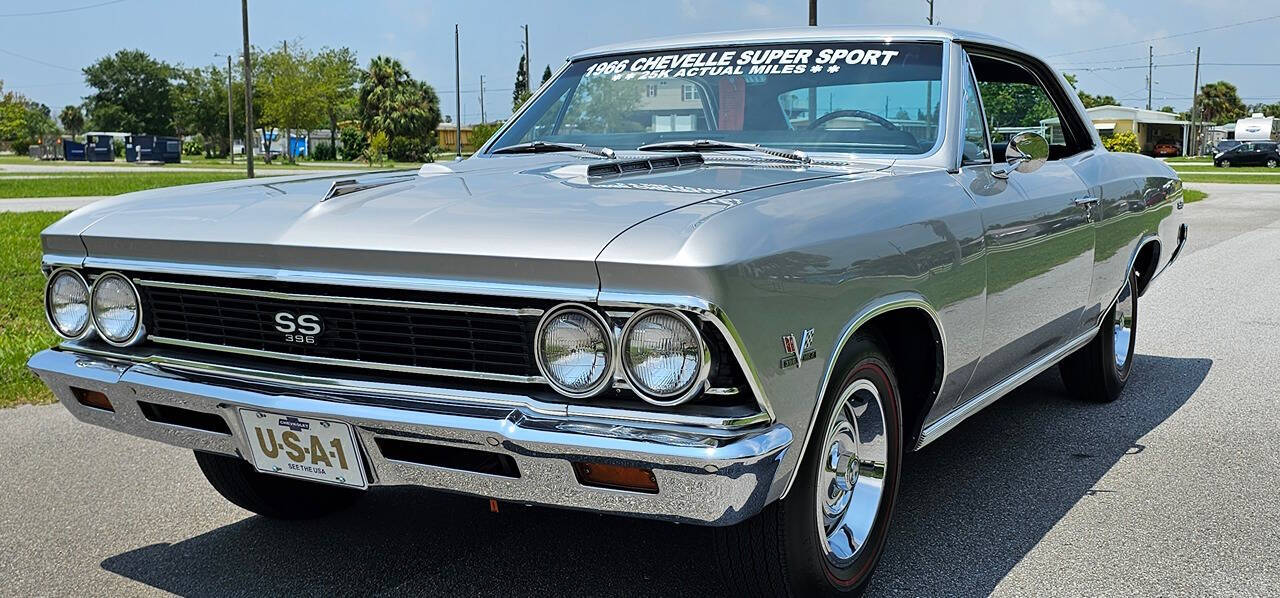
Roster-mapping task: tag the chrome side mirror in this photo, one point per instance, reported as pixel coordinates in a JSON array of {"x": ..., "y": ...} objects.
[{"x": 1027, "y": 152}]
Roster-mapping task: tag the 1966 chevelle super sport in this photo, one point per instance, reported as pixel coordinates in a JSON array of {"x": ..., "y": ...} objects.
[{"x": 725, "y": 280}]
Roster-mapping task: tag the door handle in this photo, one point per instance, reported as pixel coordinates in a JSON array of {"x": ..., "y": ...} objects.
[{"x": 1085, "y": 201}]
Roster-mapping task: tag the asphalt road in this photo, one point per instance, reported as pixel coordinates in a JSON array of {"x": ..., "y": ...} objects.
[{"x": 1172, "y": 490}]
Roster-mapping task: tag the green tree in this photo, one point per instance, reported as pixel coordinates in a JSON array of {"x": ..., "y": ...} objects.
[
  {"x": 72, "y": 119},
  {"x": 1090, "y": 100},
  {"x": 546, "y": 76},
  {"x": 1168, "y": 109},
  {"x": 601, "y": 105},
  {"x": 1015, "y": 104},
  {"x": 394, "y": 103},
  {"x": 1272, "y": 110},
  {"x": 290, "y": 91},
  {"x": 132, "y": 92},
  {"x": 337, "y": 73},
  {"x": 1220, "y": 103},
  {"x": 200, "y": 107},
  {"x": 520, "y": 92}
]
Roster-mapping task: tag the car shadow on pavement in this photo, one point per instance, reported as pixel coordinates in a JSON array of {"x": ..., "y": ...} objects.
[{"x": 971, "y": 506}]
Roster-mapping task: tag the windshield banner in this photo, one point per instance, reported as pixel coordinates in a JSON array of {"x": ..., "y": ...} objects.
[{"x": 763, "y": 61}]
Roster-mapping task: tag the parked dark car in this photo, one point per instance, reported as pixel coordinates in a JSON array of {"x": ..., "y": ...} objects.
[{"x": 1250, "y": 153}]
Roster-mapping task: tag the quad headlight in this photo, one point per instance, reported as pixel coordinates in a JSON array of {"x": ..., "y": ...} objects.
[
  {"x": 116, "y": 309},
  {"x": 66, "y": 302},
  {"x": 574, "y": 351},
  {"x": 664, "y": 356}
]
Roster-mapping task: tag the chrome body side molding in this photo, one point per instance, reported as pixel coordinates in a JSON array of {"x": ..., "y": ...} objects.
[{"x": 949, "y": 421}]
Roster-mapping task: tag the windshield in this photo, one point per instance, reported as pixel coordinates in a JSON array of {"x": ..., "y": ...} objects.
[{"x": 859, "y": 97}]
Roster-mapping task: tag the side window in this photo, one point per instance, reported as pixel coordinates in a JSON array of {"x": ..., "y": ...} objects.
[
  {"x": 1015, "y": 100},
  {"x": 976, "y": 150}
]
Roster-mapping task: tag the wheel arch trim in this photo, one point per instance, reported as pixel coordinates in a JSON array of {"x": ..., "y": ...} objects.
[
  {"x": 1146, "y": 239},
  {"x": 874, "y": 308}
]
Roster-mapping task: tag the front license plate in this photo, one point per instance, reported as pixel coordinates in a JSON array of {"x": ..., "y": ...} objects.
[{"x": 303, "y": 447}]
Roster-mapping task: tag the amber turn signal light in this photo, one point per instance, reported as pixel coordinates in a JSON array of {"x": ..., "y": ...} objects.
[
  {"x": 92, "y": 398},
  {"x": 616, "y": 477}
]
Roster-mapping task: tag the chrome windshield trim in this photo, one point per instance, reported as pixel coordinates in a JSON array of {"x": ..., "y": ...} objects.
[
  {"x": 398, "y": 282},
  {"x": 369, "y": 365},
  {"x": 422, "y": 393},
  {"x": 426, "y": 305}
]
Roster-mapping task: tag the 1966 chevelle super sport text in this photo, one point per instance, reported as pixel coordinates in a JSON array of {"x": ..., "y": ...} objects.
[{"x": 724, "y": 280}]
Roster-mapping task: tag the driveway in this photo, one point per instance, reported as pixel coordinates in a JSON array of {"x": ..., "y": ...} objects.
[{"x": 1172, "y": 490}]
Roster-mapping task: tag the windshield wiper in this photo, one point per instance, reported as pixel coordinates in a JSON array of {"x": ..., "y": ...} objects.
[
  {"x": 537, "y": 147},
  {"x": 711, "y": 145}
]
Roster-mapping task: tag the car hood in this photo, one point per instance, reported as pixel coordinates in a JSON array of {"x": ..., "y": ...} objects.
[{"x": 535, "y": 220}]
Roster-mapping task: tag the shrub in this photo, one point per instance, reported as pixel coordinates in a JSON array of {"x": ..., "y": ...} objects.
[
  {"x": 117, "y": 148},
  {"x": 323, "y": 151},
  {"x": 1121, "y": 142},
  {"x": 408, "y": 149},
  {"x": 376, "y": 149},
  {"x": 481, "y": 133},
  {"x": 354, "y": 144},
  {"x": 20, "y": 146},
  {"x": 192, "y": 148}
]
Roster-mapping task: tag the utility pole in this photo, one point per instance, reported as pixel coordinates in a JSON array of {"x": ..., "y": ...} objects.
[
  {"x": 813, "y": 14},
  {"x": 1195, "y": 108},
  {"x": 483, "y": 118},
  {"x": 248, "y": 90},
  {"x": 457, "y": 92},
  {"x": 231, "y": 127},
  {"x": 930, "y": 12},
  {"x": 1150, "y": 71},
  {"x": 527, "y": 69}
]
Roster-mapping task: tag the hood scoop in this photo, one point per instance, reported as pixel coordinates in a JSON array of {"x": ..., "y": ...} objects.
[
  {"x": 643, "y": 165},
  {"x": 348, "y": 186}
]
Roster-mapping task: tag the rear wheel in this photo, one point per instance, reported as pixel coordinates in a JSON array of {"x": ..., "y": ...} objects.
[
  {"x": 272, "y": 496},
  {"x": 1099, "y": 370},
  {"x": 1272, "y": 163},
  {"x": 826, "y": 536},
  {"x": 1225, "y": 164}
]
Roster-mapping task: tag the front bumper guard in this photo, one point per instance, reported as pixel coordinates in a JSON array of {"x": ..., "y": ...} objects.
[{"x": 704, "y": 477}]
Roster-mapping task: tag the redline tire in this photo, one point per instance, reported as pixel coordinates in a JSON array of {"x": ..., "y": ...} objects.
[{"x": 783, "y": 550}]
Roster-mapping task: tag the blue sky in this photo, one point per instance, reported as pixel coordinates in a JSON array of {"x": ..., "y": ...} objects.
[{"x": 420, "y": 34}]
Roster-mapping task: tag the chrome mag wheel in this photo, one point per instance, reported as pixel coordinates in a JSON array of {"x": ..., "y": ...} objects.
[
  {"x": 852, "y": 474},
  {"x": 1122, "y": 323}
]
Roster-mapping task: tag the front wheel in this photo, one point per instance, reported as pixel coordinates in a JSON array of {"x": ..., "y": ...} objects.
[
  {"x": 1099, "y": 370},
  {"x": 1272, "y": 163},
  {"x": 272, "y": 496},
  {"x": 826, "y": 536},
  {"x": 1224, "y": 164}
]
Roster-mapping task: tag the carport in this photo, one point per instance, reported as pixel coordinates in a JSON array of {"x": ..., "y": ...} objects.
[{"x": 1149, "y": 126}]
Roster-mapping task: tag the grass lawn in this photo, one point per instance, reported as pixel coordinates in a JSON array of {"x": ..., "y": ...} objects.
[
  {"x": 1193, "y": 195},
  {"x": 70, "y": 184},
  {"x": 1211, "y": 168},
  {"x": 224, "y": 164},
  {"x": 1211, "y": 177},
  {"x": 23, "y": 329}
]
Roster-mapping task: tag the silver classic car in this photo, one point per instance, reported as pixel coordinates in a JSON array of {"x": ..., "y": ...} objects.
[{"x": 724, "y": 280}]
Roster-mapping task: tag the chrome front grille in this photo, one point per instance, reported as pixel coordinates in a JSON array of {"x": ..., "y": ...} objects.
[{"x": 473, "y": 341}]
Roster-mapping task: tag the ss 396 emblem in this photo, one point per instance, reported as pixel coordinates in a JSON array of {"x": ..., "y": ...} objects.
[
  {"x": 299, "y": 328},
  {"x": 798, "y": 353}
]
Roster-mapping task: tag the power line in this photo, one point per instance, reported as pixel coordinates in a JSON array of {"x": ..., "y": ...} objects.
[
  {"x": 1164, "y": 37},
  {"x": 60, "y": 10},
  {"x": 38, "y": 61},
  {"x": 1143, "y": 66},
  {"x": 1134, "y": 59}
]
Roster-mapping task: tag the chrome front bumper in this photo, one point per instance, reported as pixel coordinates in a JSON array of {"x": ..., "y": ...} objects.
[{"x": 704, "y": 476}]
